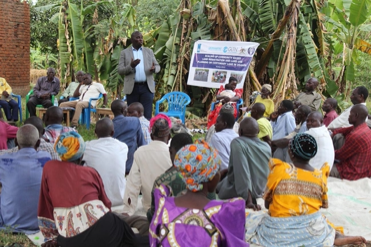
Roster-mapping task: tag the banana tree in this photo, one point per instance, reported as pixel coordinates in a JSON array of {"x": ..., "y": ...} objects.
[{"x": 346, "y": 22}]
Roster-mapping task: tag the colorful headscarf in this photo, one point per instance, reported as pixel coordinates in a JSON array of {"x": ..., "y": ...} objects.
[
  {"x": 198, "y": 163},
  {"x": 268, "y": 86},
  {"x": 70, "y": 146},
  {"x": 303, "y": 146},
  {"x": 160, "y": 125}
]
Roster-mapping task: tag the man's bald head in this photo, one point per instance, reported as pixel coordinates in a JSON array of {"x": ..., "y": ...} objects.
[
  {"x": 257, "y": 110},
  {"x": 104, "y": 128},
  {"x": 118, "y": 107},
  {"x": 53, "y": 115},
  {"x": 135, "y": 109},
  {"x": 314, "y": 120},
  {"x": 37, "y": 122},
  {"x": 360, "y": 111},
  {"x": 249, "y": 127},
  {"x": 27, "y": 137}
]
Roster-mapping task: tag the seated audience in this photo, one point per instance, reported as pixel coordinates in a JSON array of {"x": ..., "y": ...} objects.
[
  {"x": 228, "y": 95},
  {"x": 309, "y": 97},
  {"x": 226, "y": 108},
  {"x": 329, "y": 107},
  {"x": 280, "y": 145},
  {"x": 127, "y": 130},
  {"x": 247, "y": 172},
  {"x": 74, "y": 209},
  {"x": 86, "y": 90},
  {"x": 7, "y": 131},
  {"x": 294, "y": 195},
  {"x": 171, "y": 177},
  {"x": 264, "y": 99},
  {"x": 70, "y": 90},
  {"x": 283, "y": 121},
  {"x": 192, "y": 219},
  {"x": 352, "y": 160},
  {"x": 44, "y": 146},
  {"x": 325, "y": 150},
  {"x": 45, "y": 87},
  {"x": 265, "y": 127},
  {"x": 221, "y": 140},
  {"x": 136, "y": 109},
  {"x": 20, "y": 176},
  {"x": 359, "y": 96},
  {"x": 53, "y": 123},
  {"x": 150, "y": 161},
  {"x": 7, "y": 103},
  {"x": 108, "y": 156}
]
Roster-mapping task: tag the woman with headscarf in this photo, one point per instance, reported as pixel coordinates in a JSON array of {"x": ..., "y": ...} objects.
[
  {"x": 74, "y": 210},
  {"x": 265, "y": 100},
  {"x": 192, "y": 219},
  {"x": 294, "y": 195},
  {"x": 227, "y": 94}
]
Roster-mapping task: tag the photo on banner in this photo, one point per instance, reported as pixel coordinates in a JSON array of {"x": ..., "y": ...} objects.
[{"x": 214, "y": 62}]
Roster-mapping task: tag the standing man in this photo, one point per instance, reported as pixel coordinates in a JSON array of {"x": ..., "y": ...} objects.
[
  {"x": 137, "y": 64},
  {"x": 46, "y": 86},
  {"x": 86, "y": 90},
  {"x": 309, "y": 97},
  {"x": 70, "y": 90},
  {"x": 329, "y": 107},
  {"x": 9, "y": 105}
]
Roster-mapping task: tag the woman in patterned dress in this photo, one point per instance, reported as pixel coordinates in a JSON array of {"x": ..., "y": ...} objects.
[
  {"x": 74, "y": 210},
  {"x": 294, "y": 195},
  {"x": 192, "y": 219}
]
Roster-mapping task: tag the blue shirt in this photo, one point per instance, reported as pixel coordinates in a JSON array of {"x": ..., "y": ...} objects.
[
  {"x": 284, "y": 125},
  {"x": 140, "y": 74},
  {"x": 20, "y": 174},
  {"x": 129, "y": 131},
  {"x": 221, "y": 141}
]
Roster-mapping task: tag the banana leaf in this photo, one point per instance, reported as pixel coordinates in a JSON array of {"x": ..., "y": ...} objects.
[
  {"x": 77, "y": 36},
  {"x": 359, "y": 12}
]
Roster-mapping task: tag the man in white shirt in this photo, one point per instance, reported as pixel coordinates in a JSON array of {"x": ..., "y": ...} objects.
[
  {"x": 223, "y": 137},
  {"x": 108, "y": 156},
  {"x": 86, "y": 90},
  {"x": 150, "y": 161},
  {"x": 325, "y": 150},
  {"x": 359, "y": 96}
]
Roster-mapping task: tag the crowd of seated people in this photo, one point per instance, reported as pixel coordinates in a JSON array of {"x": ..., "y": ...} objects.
[{"x": 190, "y": 191}]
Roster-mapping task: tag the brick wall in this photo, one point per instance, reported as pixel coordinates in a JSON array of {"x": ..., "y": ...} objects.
[{"x": 15, "y": 44}]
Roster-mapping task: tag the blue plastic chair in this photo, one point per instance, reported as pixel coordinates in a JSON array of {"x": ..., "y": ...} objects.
[
  {"x": 177, "y": 103},
  {"x": 19, "y": 101},
  {"x": 238, "y": 105},
  {"x": 86, "y": 112}
]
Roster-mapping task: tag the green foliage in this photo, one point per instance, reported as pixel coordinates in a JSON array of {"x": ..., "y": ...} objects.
[
  {"x": 152, "y": 13},
  {"x": 44, "y": 33}
]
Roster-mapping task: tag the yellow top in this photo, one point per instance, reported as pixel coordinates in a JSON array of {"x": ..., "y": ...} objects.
[
  {"x": 269, "y": 105},
  {"x": 293, "y": 191},
  {"x": 265, "y": 128},
  {"x": 4, "y": 86}
]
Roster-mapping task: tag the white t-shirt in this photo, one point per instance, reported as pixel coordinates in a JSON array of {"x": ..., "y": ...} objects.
[
  {"x": 325, "y": 148},
  {"x": 108, "y": 156},
  {"x": 91, "y": 91}
]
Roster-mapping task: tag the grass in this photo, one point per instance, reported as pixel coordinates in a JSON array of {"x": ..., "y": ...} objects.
[{"x": 8, "y": 239}]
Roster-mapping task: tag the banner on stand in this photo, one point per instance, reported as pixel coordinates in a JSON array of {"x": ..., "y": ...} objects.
[{"x": 214, "y": 62}]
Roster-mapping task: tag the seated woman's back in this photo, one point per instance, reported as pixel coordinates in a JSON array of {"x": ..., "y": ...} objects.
[
  {"x": 293, "y": 191},
  {"x": 220, "y": 223}
]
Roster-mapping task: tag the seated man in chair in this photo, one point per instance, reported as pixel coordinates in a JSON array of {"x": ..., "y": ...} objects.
[{"x": 86, "y": 90}]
